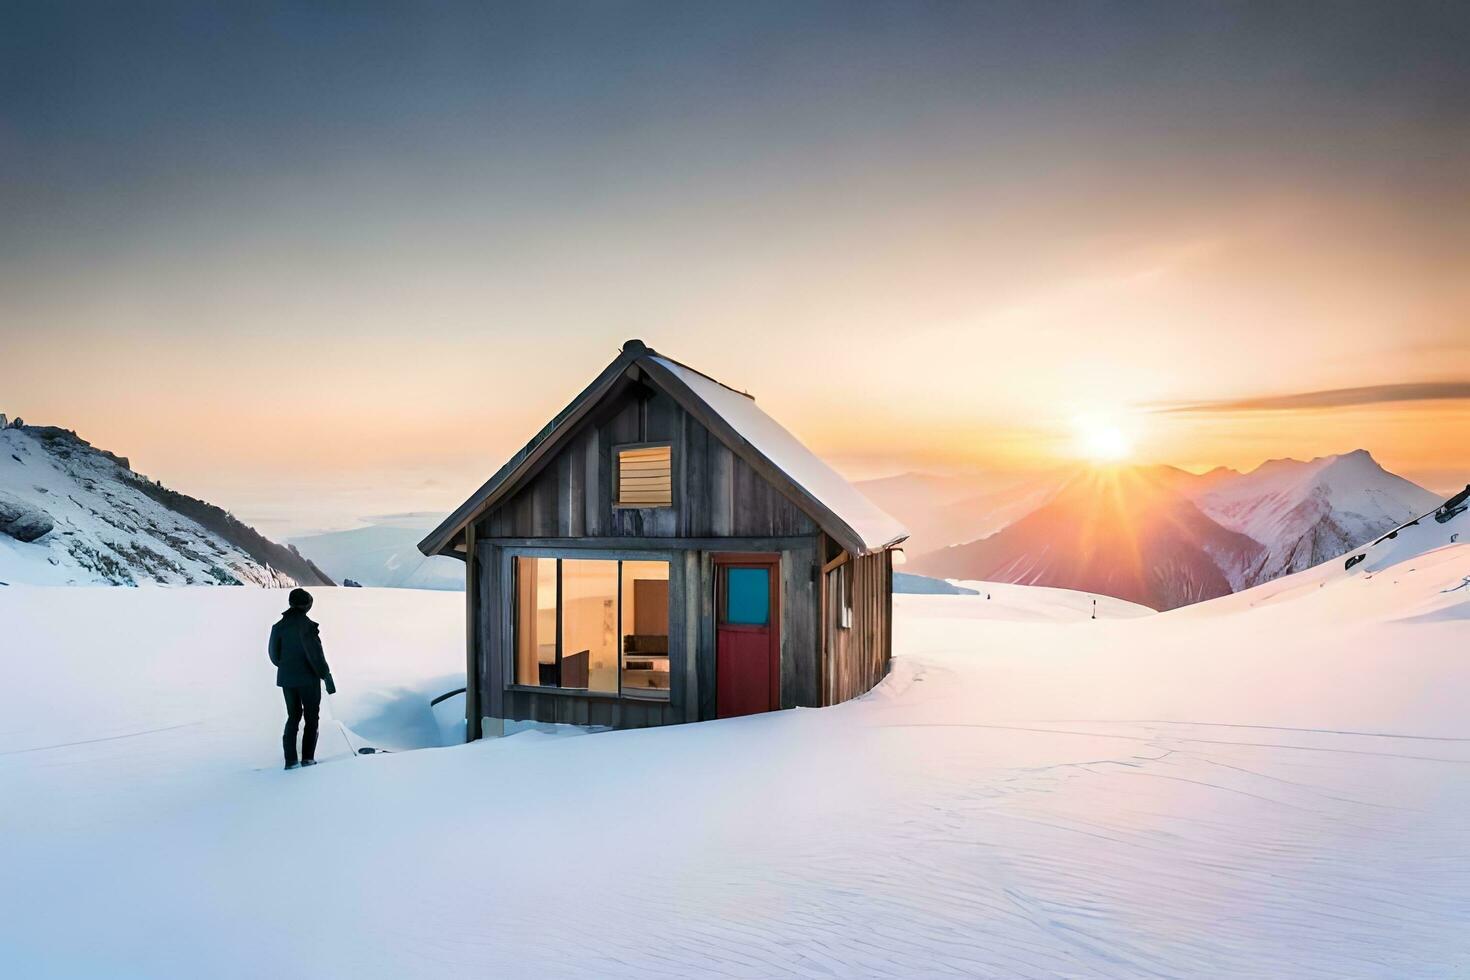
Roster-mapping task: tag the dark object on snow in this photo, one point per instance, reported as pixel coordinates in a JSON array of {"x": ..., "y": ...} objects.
[
  {"x": 299, "y": 599},
  {"x": 301, "y": 667},
  {"x": 296, "y": 650},
  {"x": 292, "y": 764},
  {"x": 308, "y": 762},
  {"x": 1395, "y": 532},
  {"x": 301, "y": 703},
  {"x": 1455, "y": 505},
  {"x": 1353, "y": 561},
  {"x": 446, "y": 696},
  {"x": 23, "y": 520},
  {"x": 348, "y": 583}
]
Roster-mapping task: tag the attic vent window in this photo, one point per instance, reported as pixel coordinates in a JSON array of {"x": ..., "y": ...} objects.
[{"x": 644, "y": 476}]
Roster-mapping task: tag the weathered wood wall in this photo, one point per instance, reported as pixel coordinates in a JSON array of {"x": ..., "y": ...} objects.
[
  {"x": 855, "y": 659},
  {"x": 716, "y": 494}
]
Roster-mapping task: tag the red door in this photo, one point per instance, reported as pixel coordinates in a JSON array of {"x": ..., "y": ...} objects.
[{"x": 747, "y": 634}]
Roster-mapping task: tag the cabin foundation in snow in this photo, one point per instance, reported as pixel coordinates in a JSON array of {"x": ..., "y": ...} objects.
[{"x": 664, "y": 552}]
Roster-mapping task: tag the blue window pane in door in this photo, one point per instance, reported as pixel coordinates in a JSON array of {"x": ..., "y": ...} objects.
[{"x": 748, "y": 596}]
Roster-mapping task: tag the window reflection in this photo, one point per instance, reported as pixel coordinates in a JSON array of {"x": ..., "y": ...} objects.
[
  {"x": 645, "y": 629},
  {"x": 589, "y": 625},
  {"x": 536, "y": 621}
]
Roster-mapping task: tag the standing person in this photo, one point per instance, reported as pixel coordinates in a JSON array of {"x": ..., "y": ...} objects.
[{"x": 301, "y": 667}]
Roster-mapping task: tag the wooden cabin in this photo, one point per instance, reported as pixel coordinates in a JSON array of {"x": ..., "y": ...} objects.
[{"x": 662, "y": 552}]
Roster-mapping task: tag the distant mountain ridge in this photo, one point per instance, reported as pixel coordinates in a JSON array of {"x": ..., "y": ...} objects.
[
  {"x": 1165, "y": 537},
  {"x": 1306, "y": 513},
  {"x": 73, "y": 514},
  {"x": 384, "y": 554},
  {"x": 1125, "y": 533}
]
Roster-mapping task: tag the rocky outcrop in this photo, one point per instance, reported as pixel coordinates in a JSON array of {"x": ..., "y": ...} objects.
[{"x": 23, "y": 520}]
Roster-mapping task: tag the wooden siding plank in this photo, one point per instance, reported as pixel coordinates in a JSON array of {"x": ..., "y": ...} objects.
[
  {"x": 490, "y": 611},
  {"x": 887, "y": 611},
  {"x": 563, "y": 493},
  {"x": 722, "y": 489},
  {"x": 626, "y": 424},
  {"x": 706, "y": 655},
  {"x": 591, "y": 487},
  {"x": 691, "y": 463},
  {"x": 791, "y": 652},
  {"x": 575, "y": 501},
  {"x": 690, "y": 637},
  {"x": 745, "y": 500},
  {"x": 606, "y": 519},
  {"x": 678, "y": 667},
  {"x": 798, "y": 628},
  {"x": 660, "y": 413},
  {"x": 472, "y": 632},
  {"x": 545, "y": 507}
]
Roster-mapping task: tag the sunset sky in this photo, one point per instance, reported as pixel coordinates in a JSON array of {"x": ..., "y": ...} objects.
[{"x": 312, "y": 262}]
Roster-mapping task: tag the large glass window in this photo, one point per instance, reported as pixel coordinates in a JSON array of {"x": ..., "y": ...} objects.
[
  {"x": 589, "y": 625},
  {"x": 536, "y": 621},
  {"x": 645, "y": 629},
  {"x": 592, "y": 624}
]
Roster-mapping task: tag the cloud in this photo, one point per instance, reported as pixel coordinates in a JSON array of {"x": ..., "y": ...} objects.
[{"x": 1335, "y": 398}]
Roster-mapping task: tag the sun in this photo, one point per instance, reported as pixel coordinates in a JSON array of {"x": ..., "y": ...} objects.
[{"x": 1101, "y": 440}]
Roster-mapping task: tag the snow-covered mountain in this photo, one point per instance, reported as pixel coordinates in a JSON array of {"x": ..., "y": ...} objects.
[
  {"x": 1165, "y": 537},
  {"x": 72, "y": 514},
  {"x": 1304, "y": 513},
  {"x": 1124, "y": 532}
]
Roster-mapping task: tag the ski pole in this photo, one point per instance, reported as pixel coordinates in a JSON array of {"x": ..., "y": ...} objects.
[{"x": 340, "y": 727}]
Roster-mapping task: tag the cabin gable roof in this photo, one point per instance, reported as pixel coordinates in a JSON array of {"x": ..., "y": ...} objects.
[{"x": 732, "y": 416}]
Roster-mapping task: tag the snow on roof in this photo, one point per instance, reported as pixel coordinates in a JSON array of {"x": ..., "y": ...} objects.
[{"x": 805, "y": 468}]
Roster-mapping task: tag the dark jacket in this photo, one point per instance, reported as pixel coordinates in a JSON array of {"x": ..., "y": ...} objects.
[{"x": 296, "y": 650}]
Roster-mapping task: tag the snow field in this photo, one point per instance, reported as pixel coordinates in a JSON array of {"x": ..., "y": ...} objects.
[{"x": 1272, "y": 784}]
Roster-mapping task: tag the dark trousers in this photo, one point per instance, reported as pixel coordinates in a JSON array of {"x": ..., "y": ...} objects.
[{"x": 301, "y": 702}]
